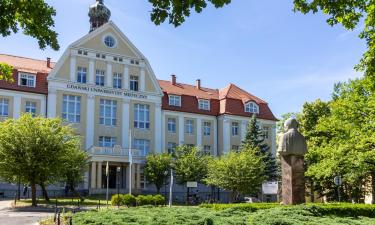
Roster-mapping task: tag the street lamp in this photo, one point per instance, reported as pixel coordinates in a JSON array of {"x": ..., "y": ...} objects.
[
  {"x": 118, "y": 186},
  {"x": 170, "y": 189},
  {"x": 165, "y": 186}
]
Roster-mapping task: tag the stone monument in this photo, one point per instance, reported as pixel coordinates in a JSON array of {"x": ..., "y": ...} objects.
[{"x": 292, "y": 148}]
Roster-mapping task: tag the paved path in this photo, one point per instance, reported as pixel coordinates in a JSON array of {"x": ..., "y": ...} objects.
[{"x": 9, "y": 216}]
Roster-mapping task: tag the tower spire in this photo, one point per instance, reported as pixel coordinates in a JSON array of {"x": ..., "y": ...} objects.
[{"x": 99, "y": 14}]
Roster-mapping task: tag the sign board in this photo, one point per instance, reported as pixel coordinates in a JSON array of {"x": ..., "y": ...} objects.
[
  {"x": 270, "y": 188},
  {"x": 337, "y": 180},
  {"x": 191, "y": 184}
]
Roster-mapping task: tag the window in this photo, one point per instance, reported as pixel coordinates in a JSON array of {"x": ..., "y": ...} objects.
[
  {"x": 204, "y": 104},
  {"x": 109, "y": 41},
  {"x": 71, "y": 109},
  {"x": 266, "y": 132},
  {"x": 107, "y": 141},
  {"x": 189, "y": 126},
  {"x": 206, "y": 128},
  {"x": 174, "y": 100},
  {"x": 190, "y": 145},
  {"x": 236, "y": 148},
  {"x": 81, "y": 74},
  {"x": 108, "y": 111},
  {"x": 207, "y": 150},
  {"x": 171, "y": 147},
  {"x": 133, "y": 83},
  {"x": 234, "y": 128},
  {"x": 117, "y": 79},
  {"x": 171, "y": 125},
  {"x": 99, "y": 79},
  {"x": 142, "y": 145},
  {"x": 4, "y": 107},
  {"x": 142, "y": 180},
  {"x": 251, "y": 107},
  {"x": 141, "y": 116},
  {"x": 30, "y": 107},
  {"x": 26, "y": 79}
]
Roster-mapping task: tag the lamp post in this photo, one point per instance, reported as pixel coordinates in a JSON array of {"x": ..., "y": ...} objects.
[
  {"x": 170, "y": 189},
  {"x": 118, "y": 186},
  {"x": 165, "y": 186}
]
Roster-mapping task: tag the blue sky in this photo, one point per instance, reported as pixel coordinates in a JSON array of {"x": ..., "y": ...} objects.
[{"x": 283, "y": 57}]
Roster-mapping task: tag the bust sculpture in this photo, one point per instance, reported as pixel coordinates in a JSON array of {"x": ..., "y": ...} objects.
[
  {"x": 292, "y": 142},
  {"x": 292, "y": 148}
]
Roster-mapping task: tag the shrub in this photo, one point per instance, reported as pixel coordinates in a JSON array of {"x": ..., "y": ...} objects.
[
  {"x": 159, "y": 200},
  {"x": 249, "y": 207},
  {"x": 116, "y": 199},
  {"x": 142, "y": 200},
  {"x": 128, "y": 200}
]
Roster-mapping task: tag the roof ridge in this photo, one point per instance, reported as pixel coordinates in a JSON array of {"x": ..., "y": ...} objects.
[
  {"x": 24, "y": 57},
  {"x": 214, "y": 89}
]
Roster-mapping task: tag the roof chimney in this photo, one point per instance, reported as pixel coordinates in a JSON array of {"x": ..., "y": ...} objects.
[
  {"x": 198, "y": 84},
  {"x": 48, "y": 62},
  {"x": 173, "y": 79}
]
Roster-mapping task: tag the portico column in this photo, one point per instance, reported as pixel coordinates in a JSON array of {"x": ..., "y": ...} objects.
[
  {"x": 199, "y": 133},
  {"x": 73, "y": 64},
  {"x": 93, "y": 174},
  {"x": 109, "y": 78},
  {"x": 226, "y": 136},
  {"x": 138, "y": 176},
  {"x": 99, "y": 179},
  {"x": 16, "y": 107},
  {"x": 91, "y": 79},
  {"x": 51, "y": 103},
  {"x": 133, "y": 175},
  {"x": 125, "y": 123},
  {"x": 158, "y": 131},
  {"x": 126, "y": 77},
  {"x": 90, "y": 110},
  {"x": 181, "y": 133}
]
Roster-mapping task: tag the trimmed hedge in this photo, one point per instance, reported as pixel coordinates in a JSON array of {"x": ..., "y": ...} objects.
[
  {"x": 140, "y": 200},
  {"x": 249, "y": 207}
]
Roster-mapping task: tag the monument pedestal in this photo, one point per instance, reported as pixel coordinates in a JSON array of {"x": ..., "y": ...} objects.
[{"x": 293, "y": 179}]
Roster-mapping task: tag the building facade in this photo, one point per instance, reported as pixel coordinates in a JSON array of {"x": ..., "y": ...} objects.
[{"x": 105, "y": 88}]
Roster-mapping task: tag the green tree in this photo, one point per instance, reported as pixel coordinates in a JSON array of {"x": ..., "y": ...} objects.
[
  {"x": 190, "y": 165},
  {"x": 241, "y": 172},
  {"x": 157, "y": 169},
  {"x": 32, "y": 149},
  {"x": 255, "y": 139},
  {"x": 350, "y": 14},
  {"x": 177, "y": 11}
]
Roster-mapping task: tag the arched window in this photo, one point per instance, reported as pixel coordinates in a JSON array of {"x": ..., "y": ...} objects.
[{"x": 251, "y": 107}]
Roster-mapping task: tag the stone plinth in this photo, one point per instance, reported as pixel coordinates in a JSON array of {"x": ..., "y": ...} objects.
[{"x": 293, "y": 179}]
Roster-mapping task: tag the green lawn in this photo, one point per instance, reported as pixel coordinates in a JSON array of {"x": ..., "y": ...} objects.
[
  {"x": 91, "y": 201},
  {"x": 184, "y": 215}
]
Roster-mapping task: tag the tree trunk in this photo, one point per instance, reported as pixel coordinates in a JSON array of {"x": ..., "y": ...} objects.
[
  {"x": 158, "y": 190},
  {"x": 373, "y": 187},
  {"x": 33, "y": 194},
  {"x": 76, "y": 193},
  {"x": 312, "y": 197},
  {"x": 187, "y": 196},
  {"x": 44, "y": 191}
]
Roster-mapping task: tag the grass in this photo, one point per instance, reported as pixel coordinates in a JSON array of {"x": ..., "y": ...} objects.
[
  {"x": 66, "y": 202},
  {"x": 236, "y": 214}
]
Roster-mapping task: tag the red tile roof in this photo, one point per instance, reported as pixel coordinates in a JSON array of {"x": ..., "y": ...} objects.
[{"x": 22, "y": 64}]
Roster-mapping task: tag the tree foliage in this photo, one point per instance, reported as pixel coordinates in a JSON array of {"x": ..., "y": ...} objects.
[
  {"x": 6, "y": 72},
  {"x": 255, "y": 139},
  {"x": 157, "y": 169},
  {"x": 350, "y": 14},
  {"x": 35, "y": 150},
  {"x": 177, "y": 11},
  {"x": 241, "y": 172}
]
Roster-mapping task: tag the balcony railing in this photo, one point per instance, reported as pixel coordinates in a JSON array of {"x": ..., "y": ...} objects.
[{"x": 115, "y": 151}]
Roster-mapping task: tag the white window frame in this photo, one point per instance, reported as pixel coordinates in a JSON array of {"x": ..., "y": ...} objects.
[
  {"x": 207, "y": 149},
  {"x": 174, "y": 100},
  {"x": 4, "y": 107},
  {"x": 204, "y": 104},
  {"x": 111, "y": 118},
  {"x": 171, "y": 147},
  {"x": 117, "y": 80},
  {"x": 171, "y": 125},
  {"x": 76, "y": 114},
  {"x": 266, "y": 132},
  {"x": 105, "y": 141},
  {"x": 99, "y": 77},
  {"x": 29, "y": 77},
  {"x": 142, "y": 145},
  {"x": 134, "y": 83},
  {"x": 30, "y": 107},
  {"x": 251, "y": 107},
  {"x": 235, "y": 148},
  {"x": 81, "y": 75},
  {"x": 141, "y": 110},
  {"x": 189, "y": 126},
  {"x": 235, "y": 128},
  {"x": 206, "y": 128}
]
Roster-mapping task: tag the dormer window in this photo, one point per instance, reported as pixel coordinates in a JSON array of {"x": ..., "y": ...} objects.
[
  {"x": 174, "y": 100},
  {"x": 204, "y": 104},
  {"x": 251, "y": 107},
  {"x": 26, "y": 79}
]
